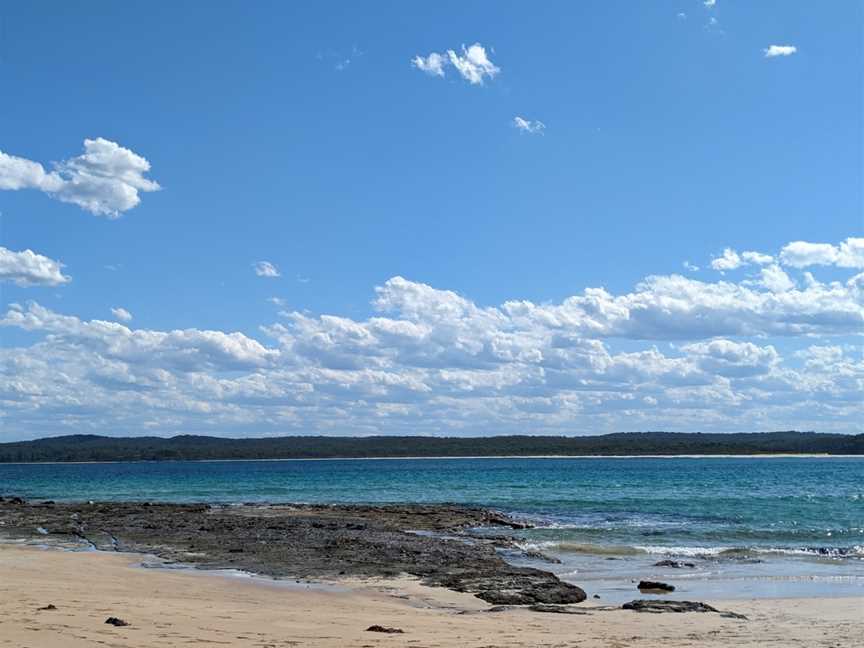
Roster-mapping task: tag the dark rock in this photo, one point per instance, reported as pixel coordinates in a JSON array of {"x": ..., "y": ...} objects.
[
  {"x": 654, "y": 586},
  {"x": 658, "y": 607},
  {"x": 596, "y": 596},
  {"x": 539, "y": 555},
  {"x": 675, "y": 564},
  {"x": 116, "y": 622},
  {"x": 556, "y": 609},
  {"x": 528, "y": 588},
  {"x": 501, "y": 597},
  {"x": 50, "y": 606},
  {"x": 379, "y": 628},
  {"x": 16, "y": 500}
]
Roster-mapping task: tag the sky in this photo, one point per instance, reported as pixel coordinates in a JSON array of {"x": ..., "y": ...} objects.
[{"x": 447, "y": 218}]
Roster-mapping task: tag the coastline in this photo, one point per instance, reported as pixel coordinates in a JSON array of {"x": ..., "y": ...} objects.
[
  {"x": 171, "y": 607},
  {"x": 772, "y": 455}
]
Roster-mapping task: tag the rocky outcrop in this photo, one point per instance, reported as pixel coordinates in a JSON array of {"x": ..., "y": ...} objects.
[{"x": 305, "y": 541}]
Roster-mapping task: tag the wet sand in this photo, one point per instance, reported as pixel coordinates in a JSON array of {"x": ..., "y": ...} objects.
[{"x": 176, "y": 608}]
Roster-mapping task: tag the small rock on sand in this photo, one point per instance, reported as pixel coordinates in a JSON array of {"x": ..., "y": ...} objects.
[
  {"x": 380, "y": 628},
  {"x": 116, "y": 622}
]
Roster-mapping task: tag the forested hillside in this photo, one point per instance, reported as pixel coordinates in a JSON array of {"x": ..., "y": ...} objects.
[{"x": 100, "y": 448}]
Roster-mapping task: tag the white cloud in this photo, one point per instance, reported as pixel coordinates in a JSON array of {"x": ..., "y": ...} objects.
[
  {"x": 773, "y": 51},
  {"x": 728, "y": 261},
  {"x": 184, "y": 350},
  {"x": 473, "y": 64},
  {"x": 527, "y": 126},
  {"x": 800, "y": 254},
  {"x": 733, "y": 359},
  {"x": 266, "y": 269},
  {"x": 105, "y": 180},
  {"x": 757, "y": 258},
  {"x": 710, "y": 3},
  {"x": 775, "y": 279},
  {"x": 121, "y": 314},
  {"x": 433, "y": 65},
  {"x": 731, "y": 260},
  {"x": 690, "y": 266},
  {"x": 30, "y": 269},
  {"x": 434, "y": 361}
]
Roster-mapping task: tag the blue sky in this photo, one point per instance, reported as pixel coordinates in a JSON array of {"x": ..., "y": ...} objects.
[{"x": 304, "y": 136}]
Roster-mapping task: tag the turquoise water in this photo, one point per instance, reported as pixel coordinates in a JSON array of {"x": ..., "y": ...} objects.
[{"x": 800, "y": 518}]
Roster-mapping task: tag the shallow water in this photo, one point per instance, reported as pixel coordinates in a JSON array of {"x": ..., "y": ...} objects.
[{"x": 754, "y": 526}]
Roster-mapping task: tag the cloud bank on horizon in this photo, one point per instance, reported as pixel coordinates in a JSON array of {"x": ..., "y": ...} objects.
[{"x": 433, "y": 361}]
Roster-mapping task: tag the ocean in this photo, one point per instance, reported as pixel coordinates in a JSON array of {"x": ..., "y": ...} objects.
[{"x": 750, "y": 526}]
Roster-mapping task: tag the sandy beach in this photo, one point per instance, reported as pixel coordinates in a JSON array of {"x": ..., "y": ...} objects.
[{"x": 174, "y": 608}]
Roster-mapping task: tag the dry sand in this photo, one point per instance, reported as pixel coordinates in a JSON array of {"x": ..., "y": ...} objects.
[{"x": 174, "y": 608}]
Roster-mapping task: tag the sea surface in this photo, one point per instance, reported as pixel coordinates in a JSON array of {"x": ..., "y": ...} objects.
[{"x": 750, "y": 526}]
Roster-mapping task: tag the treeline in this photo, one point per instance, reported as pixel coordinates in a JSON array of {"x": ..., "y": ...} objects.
[{"x": 101, "y": 448}]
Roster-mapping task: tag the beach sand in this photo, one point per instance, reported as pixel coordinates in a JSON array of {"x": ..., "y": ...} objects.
[{"x": 178, "y": 608}]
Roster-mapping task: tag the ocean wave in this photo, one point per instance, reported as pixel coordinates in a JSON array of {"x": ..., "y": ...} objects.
[
  {"x": 732, "y": 553},
  {"x": 749, "y": 552},
  {"x": 584, "y": 548}
]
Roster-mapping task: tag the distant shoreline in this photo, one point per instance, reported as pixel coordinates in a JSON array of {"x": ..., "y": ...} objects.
[
  {"x": 774, "y": 455},
  {"x": 98, "y": 449}
]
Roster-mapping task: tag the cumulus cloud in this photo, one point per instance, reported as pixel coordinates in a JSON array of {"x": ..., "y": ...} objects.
[
  {"x": 433, "y": 65},
  {"x": 472, "y": 64},
  {"x": 121, "y": 314},
  {"x": 184, "y": 350},
  {"x": 528, "y": 126},
  {"x": 27, "y": 268},
  {"x": 801, "y": 254},
  {"x": 773, "y": 51},
  {"x": 729, "y": 260},
  {"x": 266, "y": 269},
  {"x": 105, "y": 180},
  {"x": 733, "y": 359},
  {"x": 775, "y": 279},
  {"x": 431, "y": 360},
  {"x": 757, "y": 258}
]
